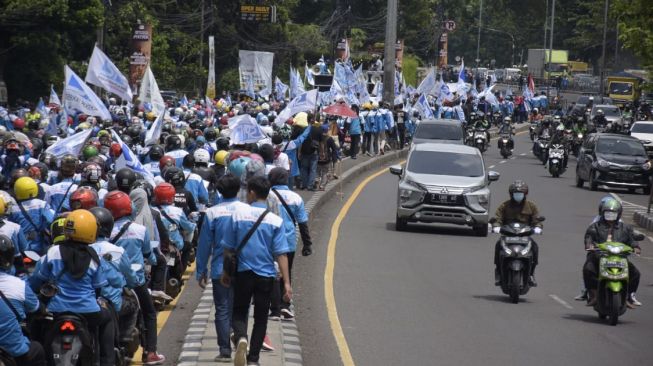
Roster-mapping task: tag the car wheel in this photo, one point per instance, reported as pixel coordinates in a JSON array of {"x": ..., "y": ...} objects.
[
  {"x": 592, "y": 181},
  {"x": 400, "y": 224},
  {"x": 480, "y": 230},
  {"x": 579, "y": 181}
]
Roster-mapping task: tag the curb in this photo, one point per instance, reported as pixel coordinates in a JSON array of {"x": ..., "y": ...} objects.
[
  {"x": 643, "y": 220},
  {"x": 292, "y": 351}
]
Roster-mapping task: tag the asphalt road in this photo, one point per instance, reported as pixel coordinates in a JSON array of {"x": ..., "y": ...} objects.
[{"x": 427, "y": 296}]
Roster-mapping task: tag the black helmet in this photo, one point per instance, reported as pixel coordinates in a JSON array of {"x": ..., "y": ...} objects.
[
  {"x": 518, "y": 186},
  {"x": 7, "y": 253},
  {"x": 125, "y": 179},
  {"x": 104, "y": 221},
  {"x": 267, "y": 153},
  {"x": 127, "y": 140},
  {"x": 210, "y": 134},
  {"x": 188, "y": 161},
  {"x": 49, "y": 160},
  {"x": 134, "y": 131},
  {"x": 156, "y": 152},
  {"x": 34, "y": 124},
  {"x": 174, "y": 176},
  {"x": 173, "y": 142},
  {"x": 222, "y": 143}
]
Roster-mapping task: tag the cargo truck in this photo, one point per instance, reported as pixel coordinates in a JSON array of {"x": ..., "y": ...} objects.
[
  {"x": 538, "y": 63},
  {"x": 624, "y": 88}
]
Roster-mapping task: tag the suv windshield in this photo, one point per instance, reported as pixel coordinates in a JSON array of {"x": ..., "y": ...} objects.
[
  {"x": 609, "y": 112},
  {"x": 617, "y": 146},
  {"x": 438, "y": 131},
  {"x": 445, "y": 163},
  {"x": 642, "y": 128}
]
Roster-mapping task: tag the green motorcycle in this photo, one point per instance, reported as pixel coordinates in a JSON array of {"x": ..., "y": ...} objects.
[{"x": 612, "y": 292}]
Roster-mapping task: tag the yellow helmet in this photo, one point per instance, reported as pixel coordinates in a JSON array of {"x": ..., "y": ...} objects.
[
  {"x": 3, "y": 206},
  {"x": 150, "y": 116},
  {"x": 221, "y": 157},
  {"x": 25, "y": 188},
  {"x": 81, "y": 226}
]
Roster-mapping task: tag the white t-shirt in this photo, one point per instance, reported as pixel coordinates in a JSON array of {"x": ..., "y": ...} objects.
[{"x": 282, "y": 161}]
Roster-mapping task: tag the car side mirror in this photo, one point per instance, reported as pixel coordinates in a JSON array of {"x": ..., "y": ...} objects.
[
  {"x": 541, "y": 218},
  {"x": 493, "y": 176},
  {"x": 396, "y": 170}
]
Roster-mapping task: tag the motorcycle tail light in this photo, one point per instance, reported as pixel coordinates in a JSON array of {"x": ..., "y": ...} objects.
[{"x": 67, "y": 326}]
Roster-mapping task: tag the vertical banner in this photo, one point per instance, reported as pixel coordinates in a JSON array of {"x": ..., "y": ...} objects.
[
  {"x": 210, "y": 84},
  {"x": 257, "y": 66},
  {"x": 342, "y": 49},
  {"x": 141, "y": 53},
  {"x": 443, "y": 47}
]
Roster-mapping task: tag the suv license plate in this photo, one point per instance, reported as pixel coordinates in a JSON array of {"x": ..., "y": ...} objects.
[{"x": 443, "y": 198}]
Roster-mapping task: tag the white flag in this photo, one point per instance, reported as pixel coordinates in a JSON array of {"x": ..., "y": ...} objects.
[
  {"x": 78, "y": 97},
  {"x": 308, "y": 74},
  {"x": 54, "y": 98},
  {"x": 70, "y": 145},
  {"x": 103, "y": 73},
  {"x": 150, "y": 93},
  {"x": 428, "y": 84},
  {"x": 302, "y": 103},
  {"x": 152, "y": 135},
  {"x": 245, "y": 130}
]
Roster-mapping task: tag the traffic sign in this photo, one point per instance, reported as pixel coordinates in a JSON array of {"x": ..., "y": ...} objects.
[{"x": 449, "y": 25}]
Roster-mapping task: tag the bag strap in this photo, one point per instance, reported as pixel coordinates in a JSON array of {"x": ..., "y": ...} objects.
[
  {"x": 120, "y": 233},
  {"x": 251, "y": 231},
  {"x": 27, "y": 216},
  {"x": 285, "y": 205},
  {"x": 64, "y": 198},
  {"x": 11, "y": 306},
  {"x": 165, "y": 214}
]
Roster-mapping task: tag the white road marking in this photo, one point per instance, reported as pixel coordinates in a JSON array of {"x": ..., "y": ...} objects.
[
  {"x": 502, "y": 162},
  {"x": 491, "y": 166},
  {"x": 561, "y": 301},
  {"x": 522, "y": 154},
  {"x": 513, "y": 158}
]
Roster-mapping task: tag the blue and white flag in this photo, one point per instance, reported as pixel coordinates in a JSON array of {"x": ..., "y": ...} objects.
[
  {"x": 183, "y": 101},
  {"x": 70, "y": 145},
  {"x": 79, "y": 98},
  {"x": 245, "y": 130},
  {"x": 296, "y": 84},
  {"x": 40, "y": 107},
  {"x": 154, "y": 132},
  {"x": 427, "y": 85},
  {"x": 303, "y": 103},
  {"x": 378, "y": 89},
  {"x": 54, "y": 98},
  {"x": 103, "y": 73},
  {"x": 129, "y": 160},
  {"x": 423, "y": 106},
  {"x": 150, "y": 93},
  {"x": 308, "y": 74},
  {"x": 249, "y": 87},
  {"x": 280, "y": 88}
]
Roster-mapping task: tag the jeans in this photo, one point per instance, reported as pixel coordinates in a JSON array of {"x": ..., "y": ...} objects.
[
  {"x": 355, "y": 142},
  {"x": 308, "y": 169},
  {"x": 367, "y": 142},
  {"x": 401, "y": 132},
  {"x": 34, "y": 357},
  {"x": 223, "y": 298},
  {"x": 247, "y": 285},
  {"x": 149, "y": 317}
]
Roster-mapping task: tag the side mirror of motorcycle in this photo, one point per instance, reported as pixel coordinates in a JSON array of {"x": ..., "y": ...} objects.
[
  {"x": 493, "y": 176},
  {"x": 493, "y": 220},
  {"x": 541, "y": 218},
  {"x": 637, "y": 236},
  {"x": 396, "y": 170}
]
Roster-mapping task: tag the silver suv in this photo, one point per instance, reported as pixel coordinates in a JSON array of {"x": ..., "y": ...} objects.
[{"x": 444, "y": 183}]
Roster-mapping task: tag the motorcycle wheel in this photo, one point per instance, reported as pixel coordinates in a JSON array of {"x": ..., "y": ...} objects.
[
  {"x": 505, "y": 154},
  {"x": 515, "y": 287},
  {"x": 615, "y": 307}
]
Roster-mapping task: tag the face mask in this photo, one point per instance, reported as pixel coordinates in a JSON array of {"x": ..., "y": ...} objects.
[
  {"x": 518, "y": 196},
  {"x": 610, "y": 215}
]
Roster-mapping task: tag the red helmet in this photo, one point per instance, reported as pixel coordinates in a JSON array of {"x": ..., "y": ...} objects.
[
  {"x": 166, "y": 161},
  {"x": 164, "y": 193},
  {"x": 19, "y": 123},
  {"x": 83, "y": 197},
  {"x": 116, "y": 149},
  {"x": 82, "y": 118},
  {"x": 34, "y": 172},
  {"x": 118, "y": 203},
  {"x": 70, "y": 121}
]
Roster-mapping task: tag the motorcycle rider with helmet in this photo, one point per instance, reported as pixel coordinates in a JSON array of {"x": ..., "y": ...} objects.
[
  {"x": 32, "y": 214},
  {"x": 517, "y": 209},
  {"x": 174, "y": 218},
  {"x": 13, "y": 232},
  {"x": 174, "y": 149},
  {"x": 507, "y": 129},
  {"x": 194, "y": 183},
  {"x": 609, "y": 227},
  {"x": 599, "y": 120},
  {"x": 61, "y": 191},
  {"x": 154, "y": 155}
]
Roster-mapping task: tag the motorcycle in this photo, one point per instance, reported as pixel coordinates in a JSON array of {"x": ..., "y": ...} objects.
[
  {"x": 541, "y": 148},
  {"x": 557, "y": 155},
  {"x": 515, "y": 259},
  {"x": 480, "y": 140},
  {"x": 505, "y": 145},
  {"x": 130, "y": 324},
  {"x": 576, "y": 143},
  {"x": 612, "y": 292},
  {"x": 531, "y": 130},
  {"x": 6, "y": 359},
  {"x": 469, "y": 136}
]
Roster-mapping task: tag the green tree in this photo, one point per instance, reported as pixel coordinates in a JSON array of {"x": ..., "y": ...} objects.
[{"x": 636, "y": 28}]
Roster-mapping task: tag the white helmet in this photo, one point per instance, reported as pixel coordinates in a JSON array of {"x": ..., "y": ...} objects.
[{"x": 201, "y": 156}]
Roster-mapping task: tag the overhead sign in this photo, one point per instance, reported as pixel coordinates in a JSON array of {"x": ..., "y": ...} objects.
[
  {"x": 449, "y": 25},
  {"x": 258, "y": 13}
]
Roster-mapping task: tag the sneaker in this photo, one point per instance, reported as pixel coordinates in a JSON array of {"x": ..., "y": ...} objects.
[
  {"x": 633, "y": 300},
  {"x": 240, "y": 359},
  {"x": 582, "y": 296},
  {"x": 286, "y": 314},
  {"x": 223, "y": 358},
  {"x": 274, "y": 317},
  {"x": 153, "y": 358},
  {"x": 267, "y": 344},
  {"x": 161, "y": 295},
  {"x": 531, "y": 281}
]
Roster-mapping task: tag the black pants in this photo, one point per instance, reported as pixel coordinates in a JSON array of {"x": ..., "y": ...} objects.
[
  {"x": 535, "y": 249},
  {"x": 34, "y": 357},
  {"x": 158, "y": 281},
  {"x": 355, "y": 144},
  {"x": 591, "y": 273},
  {"x": 149, "y": 317},
  {"x": 367, "y": 142},
  {"x": 401, "y": 131},
  {"x": 247, "y": 285},
  {"x": 185, "y": 255}
]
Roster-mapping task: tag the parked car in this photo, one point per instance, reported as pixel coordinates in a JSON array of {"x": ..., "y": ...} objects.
[
  {"x": 613, "y": 160},
  {"x": 444, "y": 183},
  {"x": 439, "y": 130},
  {"x": 643, "y": 131}
]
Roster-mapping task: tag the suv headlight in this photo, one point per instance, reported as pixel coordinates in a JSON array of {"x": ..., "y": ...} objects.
[
  {"x": 410, "y": 194},
  {"x": 478, "y": 201},
  {"x": 647, "y": 165}
]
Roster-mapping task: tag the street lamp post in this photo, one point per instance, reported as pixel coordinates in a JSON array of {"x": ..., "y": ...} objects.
[{"x": 478, "y": 40}]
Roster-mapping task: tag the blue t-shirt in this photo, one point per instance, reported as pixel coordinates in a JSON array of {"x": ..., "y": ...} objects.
[{"x": 24, "y": 301}]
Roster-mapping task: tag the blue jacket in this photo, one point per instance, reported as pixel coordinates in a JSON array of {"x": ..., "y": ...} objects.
[
  {"x": 13, "y": 231},
  {"x": 60, "y": 194},
  {"x": 24, "y": 301},
  {"x": 195, "y": 185},
  {"x": 296, "y": 205},
  {"x": 118, "y": 271},
  {"x": 136, "y": 242},
  {"x": 267, "y": 242},
  {"x": 41, "y": 215},
  {"x": 355, "y": 126},
  {"x": 290, "y": 148},
  {"x": 75, "y": 295},
  {"x": 178, "y": 155},
  {"x": 217, "y": 221},
  {"x": 178, "y": 224}
]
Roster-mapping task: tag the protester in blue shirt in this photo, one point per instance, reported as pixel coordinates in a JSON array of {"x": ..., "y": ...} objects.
[
  {"x": 60, "y": 192},
  {"x": 174, "y": 218},
  {"x": 256, "y": 271},
  {"x": 16, "y": 301},
  {"x": 32, "y": 214},
  {"x": 354, "y": 130}
]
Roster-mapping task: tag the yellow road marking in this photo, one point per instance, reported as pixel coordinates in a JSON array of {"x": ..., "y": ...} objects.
[
  {"x": 162, "y": 317},
  {"x": 336, "y": 328}
]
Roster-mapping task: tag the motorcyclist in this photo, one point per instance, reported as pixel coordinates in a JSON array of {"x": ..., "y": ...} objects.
[
  {"x": 506, "y": 128},
  {"x": 483, "y": 125},
  {"x": 17, "y": 299},
  {"x": 194, "y": 182},
  {"x": 32, "y": 214},
  {"x": 174, "y": 149},
  {"x": 61, "y": 191},
  {"x": 628, "y": 113},
  {"x": 517, "y": 209},
  {"x": 13, "y": 232},
  {"x": 599, "y": 120},
  {"x": 609, "y": 227}
]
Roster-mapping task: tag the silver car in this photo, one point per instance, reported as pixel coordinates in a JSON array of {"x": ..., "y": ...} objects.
[
  {"x": 444, "y": 183},
  {"x": 439, "y": 130}
]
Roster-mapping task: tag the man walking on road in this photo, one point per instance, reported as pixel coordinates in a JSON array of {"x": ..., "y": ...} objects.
[{"x": 256, "y": 239}]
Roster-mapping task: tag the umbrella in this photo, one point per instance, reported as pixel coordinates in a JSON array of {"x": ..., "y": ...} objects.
[{"x": 340, "y": 110}]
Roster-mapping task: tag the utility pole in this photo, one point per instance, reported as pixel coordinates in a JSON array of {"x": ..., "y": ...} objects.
[
  {"x": 546, "y": 22},
  {"x": 548, "y": 75},
  {"x": 478, "y": 39},
  {"x": 199, "y": 82},
  {"x": 605, "y": 32},
  {"x": 389, "y": 56},
  {"x": 616, "y": 47}
]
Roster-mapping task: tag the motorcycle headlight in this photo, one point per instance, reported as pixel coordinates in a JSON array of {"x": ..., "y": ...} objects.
[
  {"x": 580, "y": 135},
  {"x": 506, "y": 249},
  {"x": 614, "y": 249}
]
